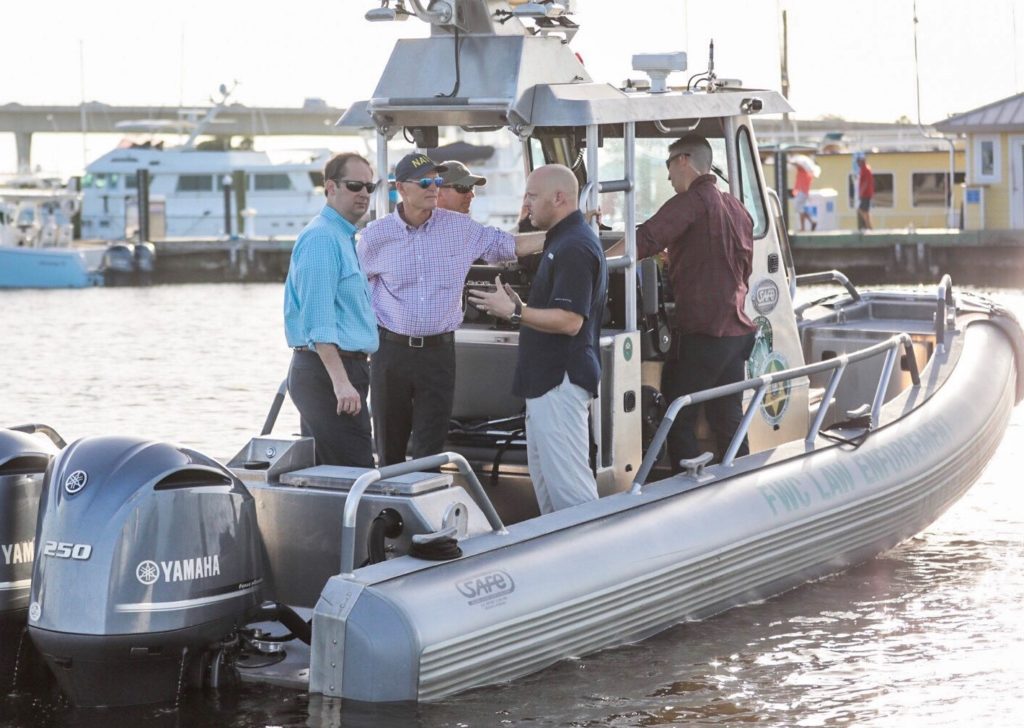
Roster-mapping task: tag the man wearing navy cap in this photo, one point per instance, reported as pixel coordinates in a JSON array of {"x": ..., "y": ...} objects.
[{"x": 416, "y": 260}]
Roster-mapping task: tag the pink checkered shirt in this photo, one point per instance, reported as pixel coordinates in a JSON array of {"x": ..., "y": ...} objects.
[{"x": 416, "y": 275}]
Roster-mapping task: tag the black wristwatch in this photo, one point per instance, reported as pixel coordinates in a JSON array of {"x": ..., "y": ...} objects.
[{"x": 517, "y": 315}]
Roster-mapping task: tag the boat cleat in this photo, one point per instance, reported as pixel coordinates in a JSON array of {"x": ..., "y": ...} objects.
[{"x": 694, "y": 467}]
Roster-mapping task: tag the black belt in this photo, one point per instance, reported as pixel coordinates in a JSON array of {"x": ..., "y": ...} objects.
[
  {"x": 416, "y": 342},
  {"x": 358, "y": 355}
]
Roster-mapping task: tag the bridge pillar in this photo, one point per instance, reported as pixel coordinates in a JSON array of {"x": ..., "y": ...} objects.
[{"x": 23, "y": 143}]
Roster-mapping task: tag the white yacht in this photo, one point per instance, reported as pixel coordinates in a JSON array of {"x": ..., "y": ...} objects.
[{"x": 273, "y": 194}]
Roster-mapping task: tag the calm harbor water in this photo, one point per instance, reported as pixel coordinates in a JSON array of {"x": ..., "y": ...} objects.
[{"x": 929, "y": 634}]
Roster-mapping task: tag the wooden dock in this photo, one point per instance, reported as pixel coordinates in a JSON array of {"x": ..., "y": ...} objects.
[
  {"x": 982, "y": 257},
  {"x": 972, "y": 257},
  {"x": 222, "y": 260}
]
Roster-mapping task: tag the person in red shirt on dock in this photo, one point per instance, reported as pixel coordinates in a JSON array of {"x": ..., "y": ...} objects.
[
  {"x": 709, "y": 238},
  {"x": 865, "y": 191},
  {"x": 801, "y": 191}
]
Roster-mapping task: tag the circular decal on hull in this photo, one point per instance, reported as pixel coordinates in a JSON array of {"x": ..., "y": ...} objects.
[
  {"x": 776, "y": 399},
  {"x": 35, "y": 611},
  {"x": 765, "y": 296},
  {"x": 764, "y": 340}
]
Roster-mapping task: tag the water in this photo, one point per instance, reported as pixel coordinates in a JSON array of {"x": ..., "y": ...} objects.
[{"x": 929, "y": 634}]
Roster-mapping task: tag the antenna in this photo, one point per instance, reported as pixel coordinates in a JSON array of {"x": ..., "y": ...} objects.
[
  {"x": 200, "y": 128},
  {"x": 81, "y": 81}
]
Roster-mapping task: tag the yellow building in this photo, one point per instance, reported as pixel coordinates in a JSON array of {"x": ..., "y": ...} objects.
[
  {"x": 993, "y": 197},
  {"x": 910, "y": 189}
]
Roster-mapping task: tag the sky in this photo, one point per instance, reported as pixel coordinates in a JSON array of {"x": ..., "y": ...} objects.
[{"x": 849, "y": 59}]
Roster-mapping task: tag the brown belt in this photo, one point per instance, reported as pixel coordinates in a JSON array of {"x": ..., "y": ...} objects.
[
  {"x": 416, "y": 342},
  {"x": 358, "y": 355}
]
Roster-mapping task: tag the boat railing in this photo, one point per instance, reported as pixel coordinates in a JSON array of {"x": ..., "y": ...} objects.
[
  {"x": 431, "y": 462},
  {"x": 944, "y": 298},
  {"x": 761, "y": 385},
  {"x": 825, "y": 276}
]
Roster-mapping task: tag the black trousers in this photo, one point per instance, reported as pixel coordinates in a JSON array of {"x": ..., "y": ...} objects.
[
  {"x": 413, "y": 392},
  {"x": 340, "y": 439},
  {"x": 698, "y": 362}
]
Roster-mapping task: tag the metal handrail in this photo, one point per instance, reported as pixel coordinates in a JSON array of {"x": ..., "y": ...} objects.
[
  {"x": 760, "y": 384},
  {"x": 826, "y": 276},
  {"x": 666, "y": 129},
  {"x": 783, "y": 238},
  {"x": 364, "y": 481},
  {"x": 275, "y": 408},
  {"x": 585, "y": 195},
  {"x": 944, "y": 298}
]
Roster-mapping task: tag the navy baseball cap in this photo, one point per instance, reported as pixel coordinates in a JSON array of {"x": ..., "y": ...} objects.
[{"x": 414, "y": 166}]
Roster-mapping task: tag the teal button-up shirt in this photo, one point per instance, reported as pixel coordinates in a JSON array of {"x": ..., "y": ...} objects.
[{"x": 326, "y": 295}]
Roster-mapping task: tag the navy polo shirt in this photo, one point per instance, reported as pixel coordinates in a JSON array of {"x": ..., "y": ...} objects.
[{"x": 573, "y": 276}]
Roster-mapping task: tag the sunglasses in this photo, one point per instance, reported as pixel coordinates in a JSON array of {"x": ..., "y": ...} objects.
[
  {"x": 426, "y": 182},
  {"x": 461, "y": 189},
  {"x": 353, "y": 186},
  {"x": 668, "y": 162}
]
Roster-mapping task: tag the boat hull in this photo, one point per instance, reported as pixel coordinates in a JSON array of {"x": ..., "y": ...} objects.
[
  {"x": 628, "y": 566},
  {"x": 46, "y": 268}
]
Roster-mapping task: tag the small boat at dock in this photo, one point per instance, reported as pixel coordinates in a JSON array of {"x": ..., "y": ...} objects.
[{"x": 35, "y": 242}]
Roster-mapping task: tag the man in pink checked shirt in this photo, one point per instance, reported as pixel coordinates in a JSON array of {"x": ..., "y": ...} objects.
[{"x": 416, "y": 260}]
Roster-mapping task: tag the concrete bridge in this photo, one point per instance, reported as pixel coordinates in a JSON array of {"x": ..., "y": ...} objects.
[{"x": 314, "y": 118}]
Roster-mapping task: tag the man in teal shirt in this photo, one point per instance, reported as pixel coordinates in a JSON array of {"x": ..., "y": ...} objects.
[{"x": 329, "y": 322}]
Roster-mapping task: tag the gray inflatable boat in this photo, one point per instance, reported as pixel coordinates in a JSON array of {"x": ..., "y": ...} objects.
[{"x": 868, "y": 413}]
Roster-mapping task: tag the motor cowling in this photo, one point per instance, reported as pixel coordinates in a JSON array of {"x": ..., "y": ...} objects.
[
  {"x": 148, "y": 557},
  {"x": 23, "y": 462}
]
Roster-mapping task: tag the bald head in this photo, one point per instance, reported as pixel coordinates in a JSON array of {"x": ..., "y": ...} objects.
[{"x": 552, "y": 193}]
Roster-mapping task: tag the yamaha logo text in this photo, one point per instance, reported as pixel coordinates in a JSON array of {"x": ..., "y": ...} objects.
[
  {"x": 201, "y": 567},
  {"x": 18, "y": 553}
]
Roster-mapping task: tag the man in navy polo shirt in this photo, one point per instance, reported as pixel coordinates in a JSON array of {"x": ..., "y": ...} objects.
[{"x": 558, "y": 370}]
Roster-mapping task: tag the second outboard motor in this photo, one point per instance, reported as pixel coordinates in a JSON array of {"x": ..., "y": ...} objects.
[
  {"x": 119, "y": 264},
  {"x": 23, "y": 461},
  {"x": 149, "y": 560},
  {"x": 145, "y": 263}
]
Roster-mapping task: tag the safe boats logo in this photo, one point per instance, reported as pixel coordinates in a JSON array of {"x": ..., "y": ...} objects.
[{"x": 487, "y": 590}]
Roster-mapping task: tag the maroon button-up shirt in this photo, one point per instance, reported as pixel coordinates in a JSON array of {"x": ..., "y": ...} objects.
[{"x": 709, "y": 237}]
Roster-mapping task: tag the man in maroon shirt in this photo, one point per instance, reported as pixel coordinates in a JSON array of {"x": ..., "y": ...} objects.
[{"x": 708, "y": 235}]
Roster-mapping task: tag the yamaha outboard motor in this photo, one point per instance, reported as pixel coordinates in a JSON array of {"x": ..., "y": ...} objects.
[
  {"x": 23, "y": 462},
  {"x": 148, "y": 562}
]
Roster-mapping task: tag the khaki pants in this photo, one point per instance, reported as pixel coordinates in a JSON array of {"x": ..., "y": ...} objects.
[{"x": 558, "y": 447}]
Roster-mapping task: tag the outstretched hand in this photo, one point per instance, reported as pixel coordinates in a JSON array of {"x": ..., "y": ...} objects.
[{"x": 500, "y": 302}]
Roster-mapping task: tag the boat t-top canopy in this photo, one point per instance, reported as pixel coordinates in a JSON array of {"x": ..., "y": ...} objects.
[{"x": 506, "y": 74}]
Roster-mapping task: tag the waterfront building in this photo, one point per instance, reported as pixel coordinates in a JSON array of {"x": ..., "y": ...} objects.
[{"x": 993, "y": 197}]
